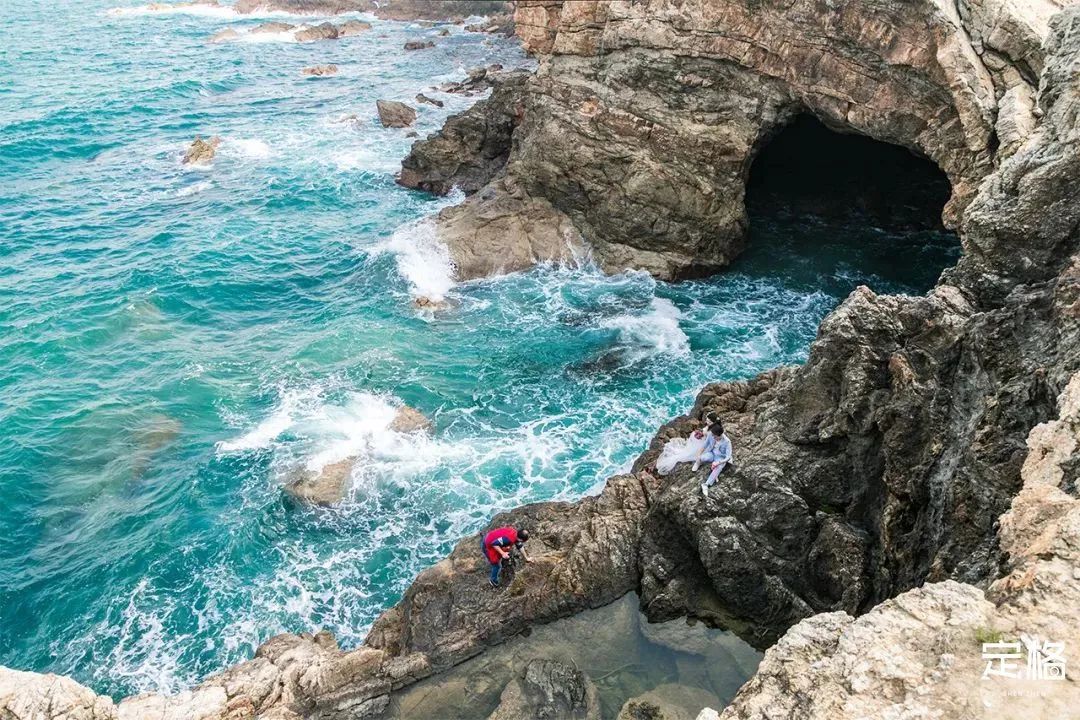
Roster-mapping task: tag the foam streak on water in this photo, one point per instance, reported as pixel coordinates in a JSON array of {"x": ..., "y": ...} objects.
[{"x": 177, "y": 341}]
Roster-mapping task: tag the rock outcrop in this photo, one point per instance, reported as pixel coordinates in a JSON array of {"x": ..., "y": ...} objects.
[
  {"x": 201, "y": 152},
  {"x": 472, "y": 146},
  {"x": 644, "y": 118},
  {"x": 418, "y": 44},
  {"x": 907, "y": 493},
  {"x": 395, "y": 114}
]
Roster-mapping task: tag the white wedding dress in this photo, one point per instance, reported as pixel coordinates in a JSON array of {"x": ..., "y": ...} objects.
[{"x": 679, "y": 450}]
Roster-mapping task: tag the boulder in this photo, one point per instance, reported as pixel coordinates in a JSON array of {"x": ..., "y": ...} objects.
[
  {"x": 322, "y": 31},
  {"x": 353, "y": 27},
  {"x": 326, "y": 487},
  {"x": 320, "y": 70},
  {"x": 395, "y": 114},
  {"x": 419, "y": 44},
  {"x": 273, "y": 27},
  {"x": 201, "y": 152},
  {"x": 550, "y": 690}
]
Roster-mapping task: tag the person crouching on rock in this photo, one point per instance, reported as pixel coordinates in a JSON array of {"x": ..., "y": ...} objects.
[
  {"x": 717, "y": 450},
  {"x": 496, "y": 546}
]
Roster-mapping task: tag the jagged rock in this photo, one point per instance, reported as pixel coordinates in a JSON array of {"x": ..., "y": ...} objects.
[
  {"x": 649, "y": 162},
  {"x": 893, "y": 459},
  {"x": 550, "y": 690},
  {"x": 322, "y": 31},
  {"x": 320, "y": 70},
  {"x": 224, "y": 36},
  {"x": 920, "y": 654},
  {"x": 327, "y": 487},
  {"x": 201, "y": 151},
  {"x": 472, "y": 146},
  {"x": 353, "y": 27},
  {"x": 395, "y": 114},
  {"x": 422, "y": 98},
  {"x": 419, "y": 44},
  {"x": 273, "y": 27}
]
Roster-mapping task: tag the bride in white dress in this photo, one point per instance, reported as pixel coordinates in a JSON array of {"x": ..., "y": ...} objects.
[{"x": 678, "y": 450}]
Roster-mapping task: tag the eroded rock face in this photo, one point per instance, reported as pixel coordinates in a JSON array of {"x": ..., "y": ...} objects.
[
  {"x": 644, "y": 118},
  {"x": 472, "y": 146},
  {"x": 919, "y": 655}
]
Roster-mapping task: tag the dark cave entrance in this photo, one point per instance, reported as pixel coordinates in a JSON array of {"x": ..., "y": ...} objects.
[{"x": 848, "y": 208}]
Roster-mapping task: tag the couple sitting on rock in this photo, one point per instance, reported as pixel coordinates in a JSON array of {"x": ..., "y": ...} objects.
[
  {"x": 709, "y": 444},
  {"x": 497, "y": 546}
]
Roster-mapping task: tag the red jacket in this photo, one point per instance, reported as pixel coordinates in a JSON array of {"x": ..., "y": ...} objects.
[{"x": 505, "y": 537}]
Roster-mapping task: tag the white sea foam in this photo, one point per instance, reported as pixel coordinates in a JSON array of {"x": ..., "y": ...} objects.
[
  {"x": 656, "y": 331},
  {"x": 194, "y": 188},
  {"x": 422, "y": 259},
  {"x": 283, "y": 417},
  {"x": 248, "y": 147},
  {"x": 181, "y": 8}
]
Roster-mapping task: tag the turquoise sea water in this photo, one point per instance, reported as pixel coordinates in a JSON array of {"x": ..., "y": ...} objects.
[{"x": 175, "y": 341}]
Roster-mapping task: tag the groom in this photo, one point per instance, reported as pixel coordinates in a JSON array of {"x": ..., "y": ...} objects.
[{"x": 717, "y": 450}]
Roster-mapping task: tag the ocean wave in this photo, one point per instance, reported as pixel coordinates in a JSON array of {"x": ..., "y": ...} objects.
[
  {"x": 422, "y": 259},
  {"x": 654, "y": 332}
]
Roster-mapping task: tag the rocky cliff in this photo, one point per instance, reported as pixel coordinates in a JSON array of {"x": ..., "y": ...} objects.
[{"x": 919, "y": 471}]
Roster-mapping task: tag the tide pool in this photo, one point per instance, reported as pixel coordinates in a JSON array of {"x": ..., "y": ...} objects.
[{"x": 176, "y": 341}]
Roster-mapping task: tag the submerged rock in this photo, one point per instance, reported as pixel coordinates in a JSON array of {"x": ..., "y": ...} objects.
[
  {"x": 419, "y": 44},
  {"x": 273, "y": 27},
  {"x": 409, "y": 420},
  {"x": 550, "y": 690},
  {"x": 201, "y": 151},
  {"x": 670, "y": 701},
  {"x": 395, "y": 114},
  {"x": 224, "y": 36},
  {"x": 320, "y": 70}
]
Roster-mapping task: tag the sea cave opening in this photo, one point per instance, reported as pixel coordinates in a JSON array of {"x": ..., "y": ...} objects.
[{"x": 846, "y": 209}]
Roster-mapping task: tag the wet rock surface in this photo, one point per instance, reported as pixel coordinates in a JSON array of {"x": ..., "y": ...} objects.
[
  {"x": 472, "y": 147},
  {"x": 320, "y": 70},
  {"x": 201, "y": 152},
  {"x": 393, "y": 113}
]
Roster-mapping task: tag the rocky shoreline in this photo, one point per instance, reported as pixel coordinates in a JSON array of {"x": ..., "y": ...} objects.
[{"x": 909, "y": 489}]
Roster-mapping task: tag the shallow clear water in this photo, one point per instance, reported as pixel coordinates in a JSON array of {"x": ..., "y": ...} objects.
[{"x": 176, "y": 341}]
